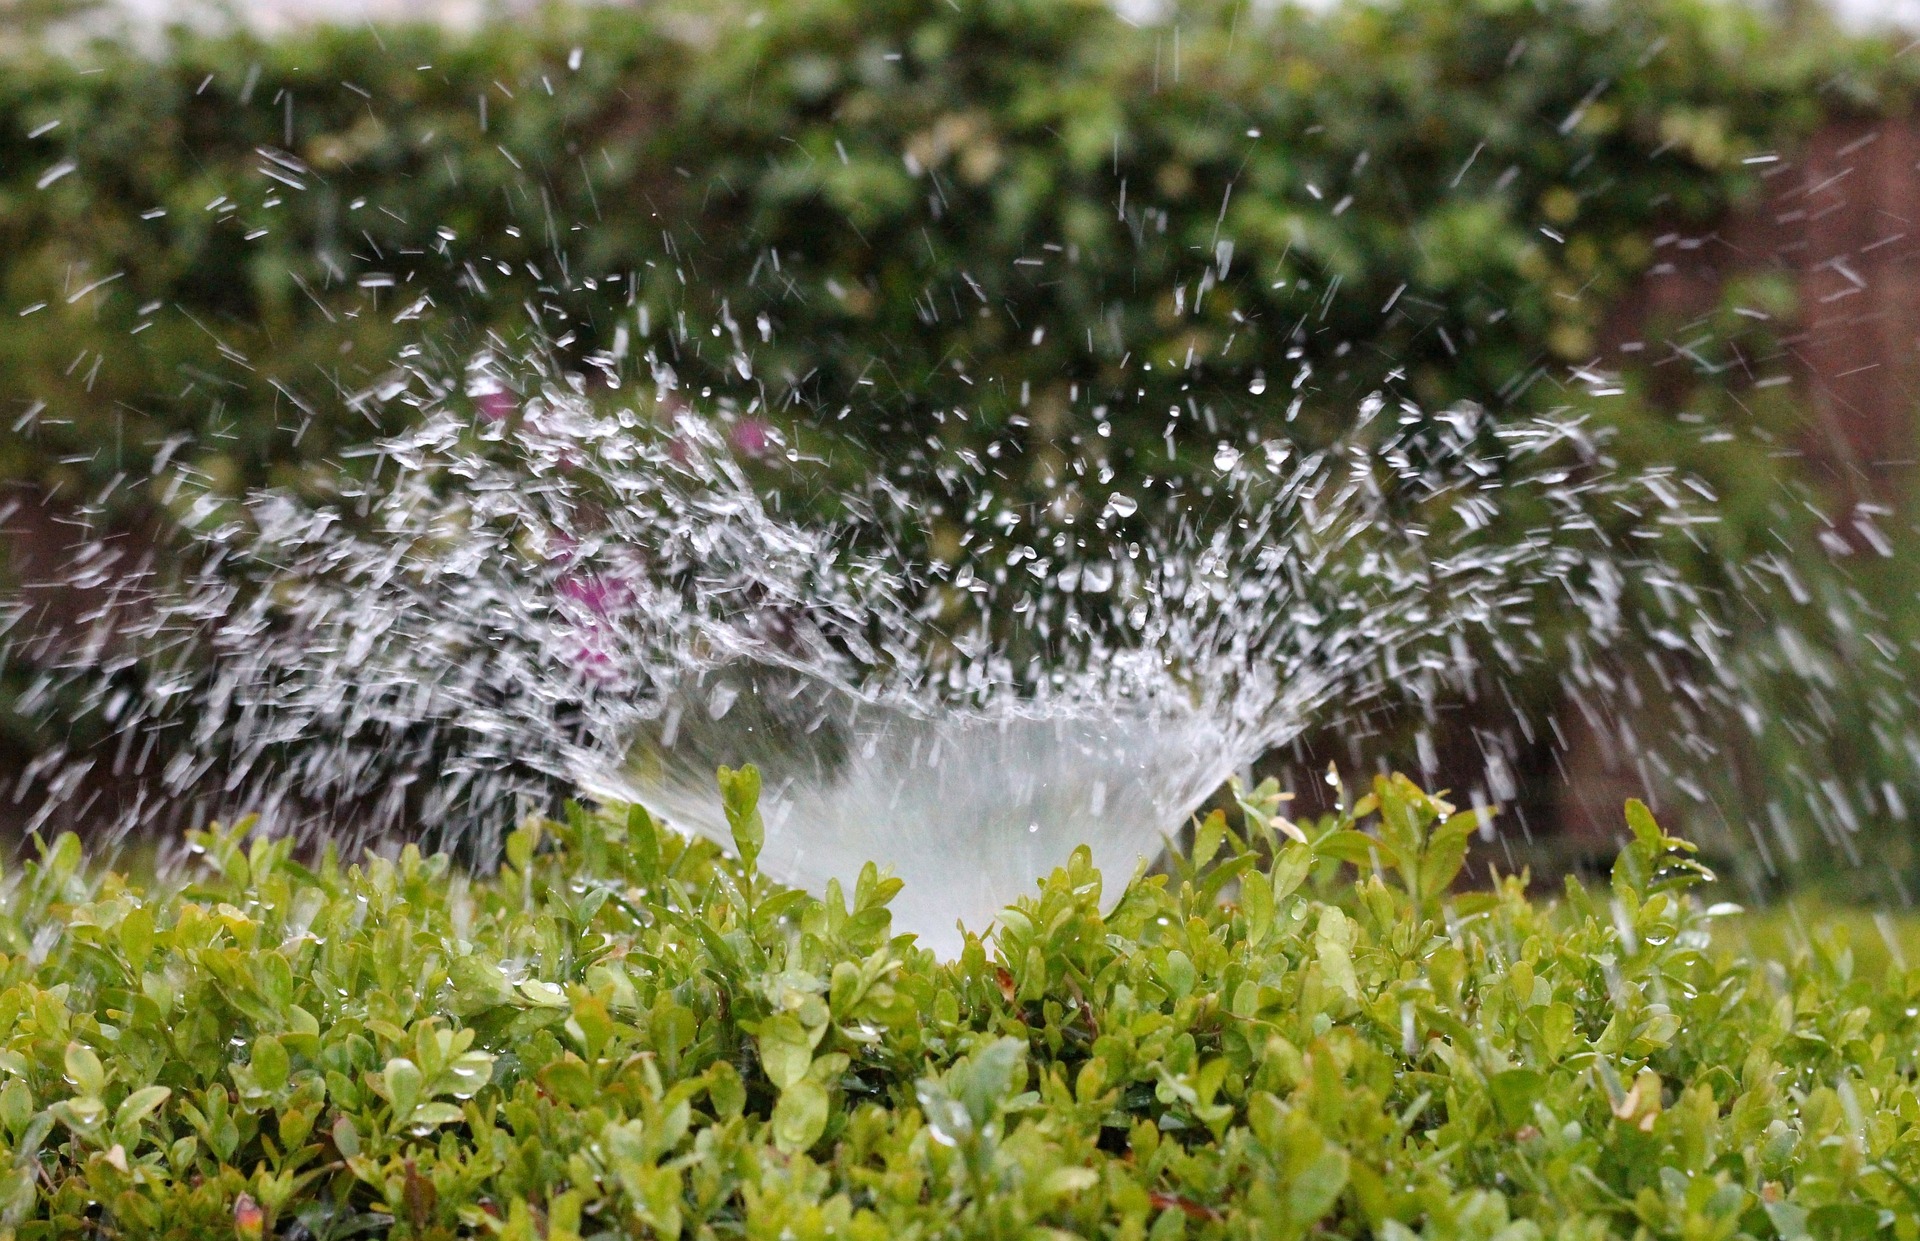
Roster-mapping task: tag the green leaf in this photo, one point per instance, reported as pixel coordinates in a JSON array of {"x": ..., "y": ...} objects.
[
  {"x": 1256, "y": 898},
  {"x": 16, "y": 1107},
  {"x": 296, "y": 1124},
  {"x": 1317, "y": 1187},
  {"x": 1446, "y": 853},
  {"x": 800, "y": 1117},
  {"x": 768, "y": 913},
  {"x": 403, "y": 1083},
  {"x": 1207, "y": 839},
  {"x": 1333, "y": 948},
  {"x": 346, "y": 1137},
  {"x": 136, "y": 936},
  {"x": 1789, "y": 1219},
  {"x": 84, "y": 1070},
  {"x": 1513, "y": 1092},
  {"x": 725, "y": 1090},
  {"x": 643, "y": 838},
  {"x": 465, "y": 1077},
  {"x": 1349, "y": 846},
  {"x": 83, "y": 1114},
  {"x": 270, "y": 1063},
  {"x": 543, "y": 994},
  {"x": 988, "y": 1078},
  {"x": 675, "y": 1027},
  {"x": 1178, "y": 973},
  {"x": 478, "y": 984},
  {"x": 1404, "y": 813},
  {"x": 740, "y": 796},
  {"x": 434, "y": 1115},
  {"x": 1219, "y": 877},
  {"x": 19, "y": 1191},
  {"x": 521, "y": 844},
  {"x": 845, "y": 988},
  {"x": 591, "y": 1025},
  {"x": 1556, "y": 1029},
  {"x": 786, "y": 1050},
  {"x": 1640, "y": 822},
  {"x": 570, "y": 1079},
  {"x": 137, "y": 1106},
  {"x": 1843, "y": 1221},
  {"x": 1291, "y": 866}
]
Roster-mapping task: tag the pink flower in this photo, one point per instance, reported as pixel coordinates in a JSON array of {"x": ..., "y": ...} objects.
[
  {"x": 591, "y": 602},
  {"x": 598, "y": 593},
  {"x": 751, "y": 436},
  {"x": 594, "y": 664},
  {"x": 496, "y": 406}
]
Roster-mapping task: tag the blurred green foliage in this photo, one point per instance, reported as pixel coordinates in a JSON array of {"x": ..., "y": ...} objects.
[{"x": 1021, "y": 209}]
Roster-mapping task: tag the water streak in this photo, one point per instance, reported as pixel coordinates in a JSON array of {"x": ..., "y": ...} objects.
[{"x": 535, "y": 589}]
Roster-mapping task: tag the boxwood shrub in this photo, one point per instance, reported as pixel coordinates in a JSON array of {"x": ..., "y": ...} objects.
[
  {"x": 1289, "y": 1031},
  {"x": 1017, "y": 232}
]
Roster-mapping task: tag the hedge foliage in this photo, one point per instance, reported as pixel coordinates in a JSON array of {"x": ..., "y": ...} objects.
[
  {"x": 1023, "y": 209},
  {"x": 624, "y": 1034}
]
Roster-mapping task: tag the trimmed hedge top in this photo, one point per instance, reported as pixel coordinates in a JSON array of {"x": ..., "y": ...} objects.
[{"x": 626, "y": 1034}]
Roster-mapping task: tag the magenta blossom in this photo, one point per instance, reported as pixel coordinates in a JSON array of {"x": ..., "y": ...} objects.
[
  {"x": 496, "y": 406},
  {"x": 751, "y": 436},
  {"x": 602, "y": 595},
  {"x": 592, "y": 601},
  {"x": 593, "y": 663}
]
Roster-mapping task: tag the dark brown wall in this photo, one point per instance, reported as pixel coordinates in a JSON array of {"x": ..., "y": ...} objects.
[{"x": 1840, "y": 221}]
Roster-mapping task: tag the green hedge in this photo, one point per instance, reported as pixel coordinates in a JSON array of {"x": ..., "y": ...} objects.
[
  {"x": 990, "y": 205},
  {"x": 624, "y": 1034}
]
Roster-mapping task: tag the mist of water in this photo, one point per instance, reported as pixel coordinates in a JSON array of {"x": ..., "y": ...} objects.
[
  {"x": 593, "y": 579},
  {"x": 537, "y": 588}
]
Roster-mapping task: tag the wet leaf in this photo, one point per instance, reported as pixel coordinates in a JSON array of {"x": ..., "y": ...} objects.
[{"x": 800, "y": 1117}]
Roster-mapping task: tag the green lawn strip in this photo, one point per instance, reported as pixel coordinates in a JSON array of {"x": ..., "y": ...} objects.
[{"x": 1865, "y": 941}]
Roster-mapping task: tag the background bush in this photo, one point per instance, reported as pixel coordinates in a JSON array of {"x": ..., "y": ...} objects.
[{"x": 910, "y": 169}]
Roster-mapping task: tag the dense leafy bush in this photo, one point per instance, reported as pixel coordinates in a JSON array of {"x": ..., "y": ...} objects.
[
  {"x": 622, "y": 1033},
  {"x": 1023, "y": 209}
]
